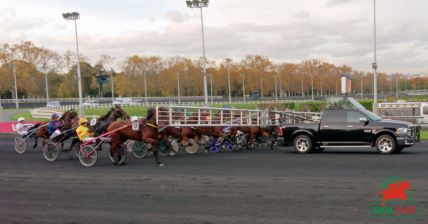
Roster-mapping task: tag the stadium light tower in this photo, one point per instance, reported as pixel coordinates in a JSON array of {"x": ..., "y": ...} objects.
[
  {"x": 75, "y": 16},
  {"x": 201, "y": 4},
  {"x": 374, "y": 64}
]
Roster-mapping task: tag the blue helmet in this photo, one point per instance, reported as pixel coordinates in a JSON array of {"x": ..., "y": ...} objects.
[{"x": 55, "y": 115}]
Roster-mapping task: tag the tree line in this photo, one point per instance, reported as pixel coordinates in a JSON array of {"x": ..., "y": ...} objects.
[{"x": 162, "y": 75}]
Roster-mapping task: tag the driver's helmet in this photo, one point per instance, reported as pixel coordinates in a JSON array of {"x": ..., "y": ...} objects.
[
  {"x": 21, "y": 119},
  {"x": 55, "y": 115}
]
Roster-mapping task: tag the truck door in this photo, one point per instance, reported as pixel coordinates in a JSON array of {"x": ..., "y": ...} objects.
[
  {"x": 356, "y": 131},
  {"x": 332, "y": 126},
  {"x": 343, "y": 127}
]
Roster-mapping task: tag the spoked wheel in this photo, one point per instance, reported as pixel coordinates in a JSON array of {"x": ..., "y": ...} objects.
[
  {"x": 229, "y": 144},
  {"x": 241, "y": 141},
  {"x": 139, "y": 149},
  {"x": 175, "y": 146},
  {"x": 214, "y": 146},
  {"x": 20, "y": 145},
  {"x": 76, "y": 149},
  {"x": 192, "y": 148},
  {"x": 164, "y": 148},
  {"x": 123, "y": 155},
  {"x": 50, "y": 151},
  {"x": 88, "y": 156}
]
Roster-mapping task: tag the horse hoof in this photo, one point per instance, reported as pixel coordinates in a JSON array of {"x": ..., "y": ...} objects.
[
  {"x": 161, "y": 164},
  {"x": 122, "y": 164}
]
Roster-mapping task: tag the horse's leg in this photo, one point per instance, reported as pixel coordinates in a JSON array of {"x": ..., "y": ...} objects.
[
  {"x": 251, "y": 137},
  {"x": 115, "y": 142},
  {"x": 35, "y": 141},
  {"x": 147, "y": 138}
]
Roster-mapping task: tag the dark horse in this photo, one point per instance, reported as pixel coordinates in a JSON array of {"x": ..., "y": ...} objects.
[
  {"x": 68, "y": 120},
  {"x": 147, "y": 133},
  {"x": 104, "y": 121}
]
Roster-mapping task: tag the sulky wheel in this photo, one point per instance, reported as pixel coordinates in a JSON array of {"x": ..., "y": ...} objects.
[
  {"x": 164, "y": 148},
  {"x": 76, "y": 149},
  {"x": 123, "y": 155},
  {"x": 20, "y": 145},
  {"x": 175, "y": 146},
  {"x": 214, "y": 146},
  {"x": 228, "y": 144},
  {"x": 50, "y": 151},
  {"x": 192, "y": 147},
  {"x": 139, "y": 149},
  {"x": 88, "y": 156}
]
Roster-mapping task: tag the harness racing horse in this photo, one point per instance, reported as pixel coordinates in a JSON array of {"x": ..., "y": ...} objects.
[
  {"x": 104, "y": 121},
  {"x": 68, "y": 120},
  {"x": 148, "y": 133}
]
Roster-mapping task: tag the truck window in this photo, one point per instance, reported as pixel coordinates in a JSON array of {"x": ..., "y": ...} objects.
[
  {"x": 353, "y": 116},
  {"x": 334, "y": 116}
]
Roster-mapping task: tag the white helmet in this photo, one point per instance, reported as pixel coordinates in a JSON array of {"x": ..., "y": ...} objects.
[{"x": 21, "y": 119}]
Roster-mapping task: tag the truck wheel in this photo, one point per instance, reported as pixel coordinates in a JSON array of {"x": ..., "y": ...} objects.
[
  {"x": 385, "y": 144},
  {"x": 303, "y": 144}
]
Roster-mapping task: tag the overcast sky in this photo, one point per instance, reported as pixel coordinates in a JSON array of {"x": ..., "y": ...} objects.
[{"x": 336, "y": 31}]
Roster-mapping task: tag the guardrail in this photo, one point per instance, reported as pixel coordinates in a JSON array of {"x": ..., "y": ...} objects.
[
  {"x": 44, "y": 113},
  {"x": 154, "y": 104}
]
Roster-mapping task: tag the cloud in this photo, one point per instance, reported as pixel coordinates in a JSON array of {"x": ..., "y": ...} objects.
[
  {"x": 176, "y": 16},
  {"x": 331, "y": 3},
  {"x": 283, "y": 30}
]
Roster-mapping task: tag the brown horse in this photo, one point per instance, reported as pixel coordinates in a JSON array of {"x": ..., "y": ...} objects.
[
  {"x": 69, "y": 120},
  {"x": 148, "y": 133}
]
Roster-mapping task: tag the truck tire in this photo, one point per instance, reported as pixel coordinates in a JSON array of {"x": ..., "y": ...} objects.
[
  {"x": 303, "y": 144},
  {"x": 386, "y": 144}
]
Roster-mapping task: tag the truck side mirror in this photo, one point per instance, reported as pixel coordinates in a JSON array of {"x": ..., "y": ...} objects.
[{"x": 364, "y": 120}]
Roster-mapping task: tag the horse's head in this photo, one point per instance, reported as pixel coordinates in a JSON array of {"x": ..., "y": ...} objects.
[
  {"x": 151, "y": 114},
  {"x": 117, "y": 113},
  {"x": 69, "y": 118}
]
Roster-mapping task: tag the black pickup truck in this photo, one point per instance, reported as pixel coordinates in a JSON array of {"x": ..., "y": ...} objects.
[{"x": 351, "y": 128}]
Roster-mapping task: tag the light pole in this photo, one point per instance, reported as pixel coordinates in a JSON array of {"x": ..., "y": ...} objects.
[
  {"x": 228, "y": 78},
  {"x": 178, "y": 87},
  {"x": 303, "y": 93},
  {"x": 112, "y": 85},
  {"x": 276, "y": 87},
  {"x": 312, "y": 85},
  {"x": 396, "y": 87},
  {"x": 261, "y": 84},
  {"x": 243, "y": 86},
  {"x": 16, "y": 87},
  {"x": 201, "y": 4},
  {"x": 145, "y": 85},
  {"x": 45, "y": 68},
  {"x": 374, "y": 64},
  {"x": 211, "y": 86},
  {"x": 75, "y": 16},
  {"x": 362, "y": 88}
]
